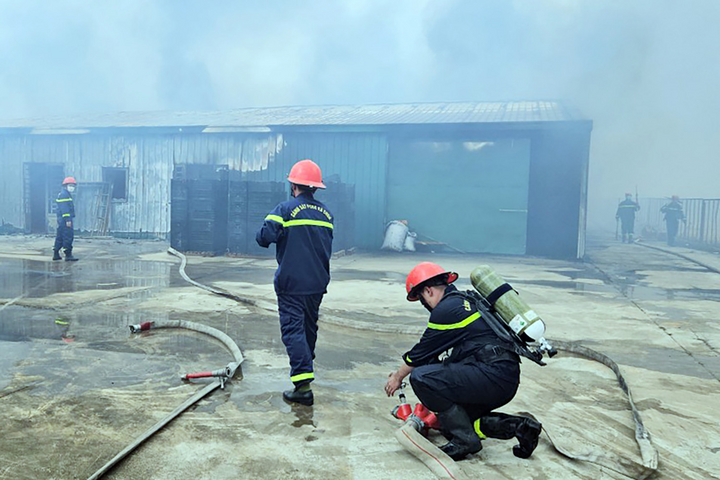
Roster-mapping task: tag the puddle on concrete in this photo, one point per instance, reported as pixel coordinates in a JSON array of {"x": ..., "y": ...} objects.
[
  {"x": 567, "y": 285},
  {"x": 25, "y": 324},
  {"x": 628, "y": 282},
  {"x": 668, "y": 360},
  {"x": 303, "y": 416},
  {"x": 93, "y": 348},
  {"x": 579, "y": 274},
  {"x": 36, "y": 279},
  {"x": 377, "y": 276}
]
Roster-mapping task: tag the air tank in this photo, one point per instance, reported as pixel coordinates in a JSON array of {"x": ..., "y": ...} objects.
[{"x": 511, "y": 308}]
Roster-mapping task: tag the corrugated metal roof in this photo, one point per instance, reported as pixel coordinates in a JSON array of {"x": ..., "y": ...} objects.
[{"x": 381, "y": 114}]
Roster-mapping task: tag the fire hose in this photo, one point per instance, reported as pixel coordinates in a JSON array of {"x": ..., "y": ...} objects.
[
  {"x": 648, "y": 452},
  {"x": 444, "y": 467},
  {"x": 223, "y": 375}
]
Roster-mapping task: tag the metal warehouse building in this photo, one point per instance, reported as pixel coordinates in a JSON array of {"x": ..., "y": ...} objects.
[{"x": 501, "y": 177}]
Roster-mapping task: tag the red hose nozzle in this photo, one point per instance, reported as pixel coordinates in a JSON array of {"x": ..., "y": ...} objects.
[
  {"x": 141, "y": 327},
  {"x": 215, "y": 373},
  {"x": 402, "y": 411}
]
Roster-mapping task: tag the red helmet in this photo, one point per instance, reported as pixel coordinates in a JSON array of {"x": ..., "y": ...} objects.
[
  {"x": 69, "y": 180},
  {"x": 307, "y": 173},
  {"x": 422, "y": 273}
]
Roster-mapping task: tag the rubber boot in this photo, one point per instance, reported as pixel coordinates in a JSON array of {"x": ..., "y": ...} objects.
[
  {"x": 458, "y": 428},
  {"x": 56, "y": 255},
  {"x": 69, "y": 256},
  {"x": 302, "y": 395},
  {"x": 503, "y": 426}
]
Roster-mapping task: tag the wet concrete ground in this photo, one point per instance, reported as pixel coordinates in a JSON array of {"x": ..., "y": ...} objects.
[{"x": 76, "y": 387}]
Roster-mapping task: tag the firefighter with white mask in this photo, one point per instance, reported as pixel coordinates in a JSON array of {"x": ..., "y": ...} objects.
[{"x": 65, "y": 218}]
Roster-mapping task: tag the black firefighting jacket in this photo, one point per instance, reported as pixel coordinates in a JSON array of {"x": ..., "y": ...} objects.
[
  {"x": 302, "y": 229},
  {"x": 456, "y": 329}
]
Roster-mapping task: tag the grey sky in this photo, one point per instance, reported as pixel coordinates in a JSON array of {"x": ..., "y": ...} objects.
[{"x": 646, "y": 71}]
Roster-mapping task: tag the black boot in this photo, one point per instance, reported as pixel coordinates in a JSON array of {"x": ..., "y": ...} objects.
[
  {"x": 56, "y": 255},
  {"x": 69, "y": 256},
  {"x": 503, "y": 426},
  {"x": 458, "y": 428},
  {"x": 302, "y": 395}
]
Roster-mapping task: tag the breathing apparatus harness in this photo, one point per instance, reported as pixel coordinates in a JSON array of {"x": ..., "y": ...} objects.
[{"x": 508, "y": 339}]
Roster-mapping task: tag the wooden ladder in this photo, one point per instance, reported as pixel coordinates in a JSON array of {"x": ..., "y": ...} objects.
[{"x": 102, "y": 210}]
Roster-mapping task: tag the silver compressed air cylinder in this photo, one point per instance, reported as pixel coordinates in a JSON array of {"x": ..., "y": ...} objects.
[{"x": 511, "y": 308}]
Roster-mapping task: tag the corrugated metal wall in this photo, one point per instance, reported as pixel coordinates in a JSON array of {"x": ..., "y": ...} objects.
[
  {"x": 356, "y": 158},
  {"x": 148, "y": 159},
  {"x": 12, "y": 153}
]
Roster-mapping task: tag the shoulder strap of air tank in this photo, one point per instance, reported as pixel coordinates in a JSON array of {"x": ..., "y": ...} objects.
[
  {"x": 510, "y": 340},
  {"x": 498, "y": 292}
]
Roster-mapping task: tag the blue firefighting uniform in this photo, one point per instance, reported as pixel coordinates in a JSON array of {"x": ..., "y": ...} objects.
[
  {"x": 65, "y": 211},
  {"x": 673, "y": 214},
  {"x": 626, "y": 213},
  {"x": 302, "y": 229}
]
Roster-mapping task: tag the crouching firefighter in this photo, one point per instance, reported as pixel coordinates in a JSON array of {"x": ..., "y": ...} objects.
[{"x": 480, "y": 370}]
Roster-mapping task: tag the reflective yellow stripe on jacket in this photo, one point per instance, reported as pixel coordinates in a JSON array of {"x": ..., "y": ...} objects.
[
  {"x": 63, "y": 200},
  {"x": 452, "y": 326},
  {"x": 297, "y": 223}
]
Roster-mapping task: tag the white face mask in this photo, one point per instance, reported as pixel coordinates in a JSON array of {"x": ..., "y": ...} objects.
[{"x": 71, "y": 188}]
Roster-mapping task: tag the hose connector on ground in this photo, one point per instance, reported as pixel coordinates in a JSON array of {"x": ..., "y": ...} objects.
[{"x": 141, "y": 327}]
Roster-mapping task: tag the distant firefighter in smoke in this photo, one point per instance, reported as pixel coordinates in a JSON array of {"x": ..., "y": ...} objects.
[
  {"x": 673, "y": 215},
  {"x": 626, "y": 214}
]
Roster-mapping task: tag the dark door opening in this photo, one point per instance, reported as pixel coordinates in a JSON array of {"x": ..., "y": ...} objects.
[{"x": 43, "y": 182}]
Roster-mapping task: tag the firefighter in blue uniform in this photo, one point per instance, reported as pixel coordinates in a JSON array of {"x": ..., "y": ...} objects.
[
  {"x": 476, "y": 375},
  {"x": 673, "y": 212},
  {"x": 302, "y": 229},
  {"x": 65, "y": 218},
  {"x": 626, "y": 214}
]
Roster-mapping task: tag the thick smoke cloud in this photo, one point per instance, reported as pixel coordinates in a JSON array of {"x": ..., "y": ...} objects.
[{"x": 645, "y": 71}]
